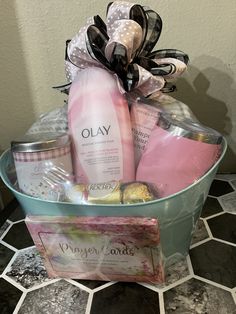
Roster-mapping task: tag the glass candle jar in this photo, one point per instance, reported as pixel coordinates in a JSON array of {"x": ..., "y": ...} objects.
[{"x": 35, "y": 155}]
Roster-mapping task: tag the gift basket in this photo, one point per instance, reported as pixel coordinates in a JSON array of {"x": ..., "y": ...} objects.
[{"x": 114, "y": 181}]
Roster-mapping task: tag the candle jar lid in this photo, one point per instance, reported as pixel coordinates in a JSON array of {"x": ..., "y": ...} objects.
[
  {"x": 40, "y": 142},
  {"x": 189, "y": 129}
]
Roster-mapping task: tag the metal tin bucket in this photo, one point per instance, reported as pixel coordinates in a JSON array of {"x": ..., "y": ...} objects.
[{"x": 177, "y": 213}]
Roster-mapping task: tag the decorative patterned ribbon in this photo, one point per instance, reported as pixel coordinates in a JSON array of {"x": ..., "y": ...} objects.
[{"x": 124, "y": 46}]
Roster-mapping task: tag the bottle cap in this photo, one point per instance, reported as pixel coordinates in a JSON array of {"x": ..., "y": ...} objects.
[{"x": 40, "y": 142}]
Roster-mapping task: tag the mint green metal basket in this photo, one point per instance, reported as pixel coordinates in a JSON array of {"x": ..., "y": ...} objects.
[{"x": 177, "y": 214}]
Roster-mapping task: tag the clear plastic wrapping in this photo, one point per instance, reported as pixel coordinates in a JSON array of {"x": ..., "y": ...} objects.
[
  {"x": 52, "y": 121},
  {"x": 113, "y": 192},
  {"x": 175, "y": 108}
]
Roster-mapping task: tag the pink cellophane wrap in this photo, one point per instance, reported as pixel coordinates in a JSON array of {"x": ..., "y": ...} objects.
[{"x": 173, "y": 162}]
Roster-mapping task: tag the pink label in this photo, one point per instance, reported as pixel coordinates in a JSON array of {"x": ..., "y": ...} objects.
[
  {"x": 143, "y": 120},
  {"x": 98, "y": 143}
]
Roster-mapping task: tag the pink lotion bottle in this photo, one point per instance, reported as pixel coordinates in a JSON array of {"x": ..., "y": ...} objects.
[{"x": 100, "y": 128}]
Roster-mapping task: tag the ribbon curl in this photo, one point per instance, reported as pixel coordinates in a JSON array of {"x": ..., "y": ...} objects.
[{"x": 123, "y": 45}]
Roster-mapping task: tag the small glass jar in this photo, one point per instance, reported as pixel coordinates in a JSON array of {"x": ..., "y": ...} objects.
[{"x": 34, "y": 155}]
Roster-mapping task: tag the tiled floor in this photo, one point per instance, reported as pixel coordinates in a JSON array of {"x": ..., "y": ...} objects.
[{"x": 203, "y": 283}]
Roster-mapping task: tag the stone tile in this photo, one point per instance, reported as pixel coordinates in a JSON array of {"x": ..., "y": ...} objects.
[
  {"x": 226, "y": 176},
  {"x": 224, "y": 227},
  {"x": 176, "y": 271},
  {"x": 18, "y": 236},
  {"x": 228, "y": 202},
  {"x": 122, "y": 298},
  {"x": 215, "y": 261},
  {"x": 220, "y": 187},
  {"x": 58, "y": 298},
  {"x": 5, "y": 256},
  {"x": 8, "y": 210},
  {"x": 9, "y": 297},
  {"x": 211, "y": 207},
  {"x": 17, "y": 215},
  {"x": 197, "y": 297},
  {"x": 3, "y": 228},
  {"x": 28, "y": 269},
  {"x": 200, "y": 232}
]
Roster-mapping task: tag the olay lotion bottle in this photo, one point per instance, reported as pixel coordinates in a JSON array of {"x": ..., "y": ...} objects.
[{"x": 100, "y": 128}]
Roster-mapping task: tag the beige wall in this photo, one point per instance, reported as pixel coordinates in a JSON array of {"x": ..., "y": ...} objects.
[{"x": 33, "y": 34}]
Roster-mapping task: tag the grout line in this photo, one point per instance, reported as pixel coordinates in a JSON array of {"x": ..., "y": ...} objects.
[
  {"x": 234, "y": 295},
  {"x": 199, "y": 243},
  {"x": 161, "y": 303},
  {"x": 6, "y": 231},
  {"x": 208, "y": 229},
  {"x": 223, "y": 241},
  {"x": 9, "y": 246},
  {"x": 231, "y": 184},
  {"x": 156, "y": 288},
  {"x": 213, "y": 283},
  {"x": 20, "y": 302},
  {"x": 27, "y": 248},
  {"x": 89, "y": 302},
  {"x": 14, "y": 283},
  {"x": 190, "y": 267},
  {"x": 229, "y": 193},
  {"x": 108, "y": 284},
  {"x": 159, "y": 292},
  {"x": 18, "y": 221},
  {"x": 221, "y": 202},
  {"x": 79, "y": 285},
  {"x": 212, "y": 196},
  {"x": 8, "y": 267},
  {"x": 169, "y": 286},
  {"x": 177, "y": 283},
  {"x": 222, "y": 177},
  {"x": 164, "y": 286},
  {"x": 215, "y": 215}
]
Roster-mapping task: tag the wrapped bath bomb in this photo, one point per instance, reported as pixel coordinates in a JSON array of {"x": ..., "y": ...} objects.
[
  {"x": 112, "y": 193},
  {"x": 138, "y": 192}
]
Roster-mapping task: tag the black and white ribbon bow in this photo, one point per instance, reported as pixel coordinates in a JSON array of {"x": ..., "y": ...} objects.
[{"x": 123, "y": 45}]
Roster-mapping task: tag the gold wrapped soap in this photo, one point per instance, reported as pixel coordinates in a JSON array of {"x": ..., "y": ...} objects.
[{"x": 138, "y": 192}]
